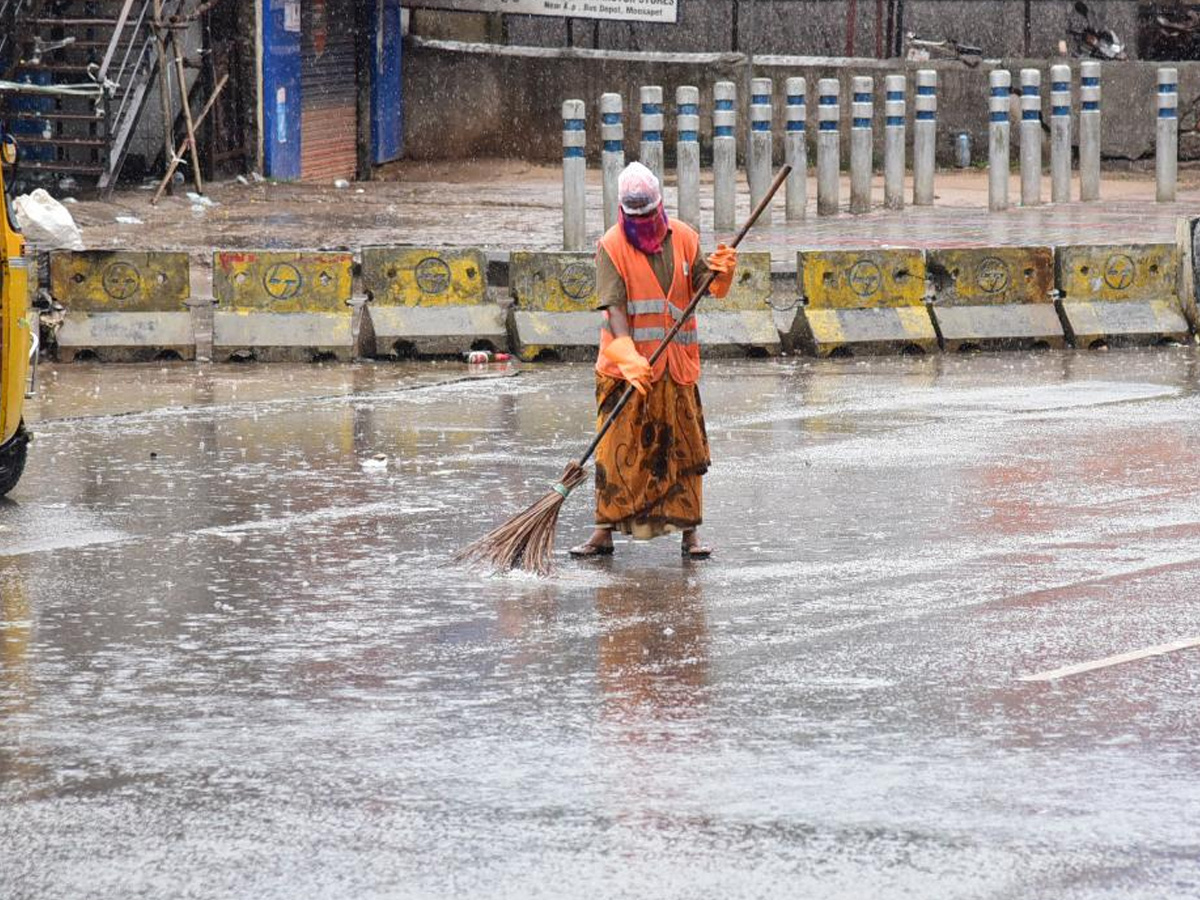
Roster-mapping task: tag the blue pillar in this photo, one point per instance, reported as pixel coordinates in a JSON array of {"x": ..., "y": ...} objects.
[
  {"x": 387, "y": 96},
  {"x": 280, "y": 91}
]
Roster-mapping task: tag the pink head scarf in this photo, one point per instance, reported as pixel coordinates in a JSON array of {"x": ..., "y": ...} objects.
[{"x": 643, "y": 217}]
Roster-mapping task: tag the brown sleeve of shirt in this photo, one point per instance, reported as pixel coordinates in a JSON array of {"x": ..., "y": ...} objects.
[
  {"x": 610, "y": 286},
  {"x": 699, "y": 268}
]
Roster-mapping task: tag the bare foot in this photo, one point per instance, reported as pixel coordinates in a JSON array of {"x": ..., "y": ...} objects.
[{"x": 691, "y": 547}]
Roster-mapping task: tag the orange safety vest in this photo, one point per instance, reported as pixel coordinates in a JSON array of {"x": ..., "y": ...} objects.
[{"x": 651, "y": 315}]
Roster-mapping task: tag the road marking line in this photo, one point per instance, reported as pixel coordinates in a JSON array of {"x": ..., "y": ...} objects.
[{"x": 1132, "y": 655}]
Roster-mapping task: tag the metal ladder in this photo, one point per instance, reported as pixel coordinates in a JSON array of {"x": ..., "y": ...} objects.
[{"x": 105, "y": 43}]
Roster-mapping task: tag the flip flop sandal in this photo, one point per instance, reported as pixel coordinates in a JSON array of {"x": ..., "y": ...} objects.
[
  {"x": 698, "y": 551},
  {"x": 585, "y": 551}
]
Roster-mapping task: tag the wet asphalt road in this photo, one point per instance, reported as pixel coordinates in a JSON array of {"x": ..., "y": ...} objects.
[{"x": 232, "y": 663}]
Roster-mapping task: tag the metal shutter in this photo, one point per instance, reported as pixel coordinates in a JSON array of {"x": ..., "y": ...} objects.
[{"x": 328, "y": 93}]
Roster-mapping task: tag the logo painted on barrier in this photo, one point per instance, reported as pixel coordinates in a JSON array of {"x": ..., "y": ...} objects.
[
  {"x": 282, "y": 281},
  {"x": 578, "y": 281},
  {"x": 121, "y": 281},
  {"x": 1119, "y": 270},
  {"x": 865, "y": 278},
  {"x": 433, "y": 275},
  {"x": 992, "y": 276}
]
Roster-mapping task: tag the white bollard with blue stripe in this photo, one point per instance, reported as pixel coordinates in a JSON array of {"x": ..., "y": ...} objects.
[
  {"x": 862, "y": 142},
  {"x": 893, "y": 143},
  {"x": 828, "y": 147},
  {"x": 1060, "y": 134},
  {"x": 612, "y": 154},
  {"x": 724, "y": 156},
  {"x": 687, "y": 153},
  {"x": 1000, "y": 82},
  {"x": 924, "y": 137},
  {"x": 1031, "y": 137},
  {"x": 1166, "y": 155},
  {"x": 796, "y": 150},
  {"x": 761, "y": 147},
  {"x": 651, "y": 121},
  {"x": 1089, "y": 130},
  {"x": 574, "y": 176}
]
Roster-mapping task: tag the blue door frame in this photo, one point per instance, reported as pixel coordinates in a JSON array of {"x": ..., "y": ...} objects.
[
  {"x": 281, "y": 88},
  {"x": 387, "y": 95}
]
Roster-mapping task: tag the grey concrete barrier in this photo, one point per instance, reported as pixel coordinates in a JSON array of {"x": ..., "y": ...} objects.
[
  {"x": 687, "y": 154},
  {"x": 1089, "y": 130},
  {"x": 893, "y": 144},
  {"x": 863, "y": 301},
  {"x": 650, "y": 120},
  {"x": 612, "y": 153},
  {"x": 123, "y": 305},
  {"x": 1187, "y": 246},
  {"x": 724, "y": 156},
  {"x": 1060, "y": 134},
  {"x": 994, "y": 298},
  {"x": 796, "y": 150},
  {"x": 861, "y": 142},
  {"x": 741, "y": 323},
  {"x": 1166, "y": 147},
  {"x": 282, "y": 305},
  {"x": 759, "y": 164},
  {"x": 828, "y": 147},
  {"x": 1000, "y": 84},
  {"x": 1031, "y": 137},
  {"x": 574, "y": 176},
  {"x": 1120, "y": 294},
  {"x": 554, "y": 314},
  {"x": 924, "y": 137},
  {"x": 425, "y": 301}
]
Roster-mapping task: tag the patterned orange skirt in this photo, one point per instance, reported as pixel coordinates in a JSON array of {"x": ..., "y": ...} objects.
[{"x": 649, "y": 467}]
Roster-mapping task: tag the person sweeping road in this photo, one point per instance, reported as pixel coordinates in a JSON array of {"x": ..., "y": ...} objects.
[{"x": 650, "y": 465}]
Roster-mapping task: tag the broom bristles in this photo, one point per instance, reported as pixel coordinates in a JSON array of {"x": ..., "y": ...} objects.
[{"x": 526, "y": 541}]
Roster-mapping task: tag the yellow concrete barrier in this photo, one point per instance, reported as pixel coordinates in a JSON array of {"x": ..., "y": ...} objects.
[
  {"x": 1120, "y": 294},
  {"x": 282, "y": 304},
  {"x": 122, "y": 305},
  {"x": 554, "y": 314},
  {"x": 741, "y": 323},
  {"x": 428, "y": 301},
  {"x": 996, "y": 297},
  {"x": 859, "y": 301},
  {"x": 1187, "y": 243}
]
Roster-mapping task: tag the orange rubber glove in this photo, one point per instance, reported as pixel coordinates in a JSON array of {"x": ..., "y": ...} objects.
[
  {"x": 723, "y": 261},
  {"x": 635, "y": 368}
]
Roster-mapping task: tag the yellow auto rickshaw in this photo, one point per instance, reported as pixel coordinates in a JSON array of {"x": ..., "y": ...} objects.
[{"x": 17, "y": 339}]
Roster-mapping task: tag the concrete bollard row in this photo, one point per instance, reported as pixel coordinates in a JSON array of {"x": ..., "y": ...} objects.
[
  {"x": 1031, "y": 137},
  {"x": 924, "y": 137},
  {"x": 861, "y": 143},
  {"x": 1166, "y": 162},
  {"x": 1000, "y": 83},
  {"x": 1089, "y": 130},
  {"x": 828, "y": 147},
  {"x": 687, "y": 153},
  {"x": 612, "y": 153},
  {"x": 893, "y": 146},
  {"x": 796, "y": 151},
  {"x": 759, "y": 167},
  {"x": 1060, "y": 134}
]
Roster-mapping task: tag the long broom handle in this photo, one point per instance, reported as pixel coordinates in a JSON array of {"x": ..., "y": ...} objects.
[{"x": 687, "y": 314}]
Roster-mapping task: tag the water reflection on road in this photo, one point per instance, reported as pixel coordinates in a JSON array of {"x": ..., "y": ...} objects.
[{"x": 233, "y": 662}]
